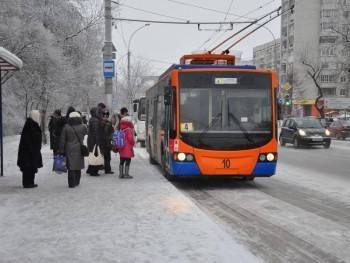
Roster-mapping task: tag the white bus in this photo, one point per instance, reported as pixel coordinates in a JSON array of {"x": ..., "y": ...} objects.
[{"x": 139, "y": 106}]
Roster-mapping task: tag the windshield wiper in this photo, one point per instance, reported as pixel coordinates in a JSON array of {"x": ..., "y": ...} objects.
[
  {"x": 210, "y": 125},
  {"x": 245, "y": 132}
]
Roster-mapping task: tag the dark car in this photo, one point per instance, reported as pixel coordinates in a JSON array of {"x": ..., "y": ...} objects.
[
  {"x": 340, "y": 129},
  {"x": 306, "y": 131}
]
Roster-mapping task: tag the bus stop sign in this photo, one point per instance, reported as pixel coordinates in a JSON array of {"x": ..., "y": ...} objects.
[{"x": 108, "y": 68}]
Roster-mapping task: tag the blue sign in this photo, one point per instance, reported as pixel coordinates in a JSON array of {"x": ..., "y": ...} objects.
[{"x": 108, "y": 68}]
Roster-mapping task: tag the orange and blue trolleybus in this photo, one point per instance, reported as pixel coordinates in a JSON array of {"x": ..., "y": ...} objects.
[{"x": 208, "y": 117}]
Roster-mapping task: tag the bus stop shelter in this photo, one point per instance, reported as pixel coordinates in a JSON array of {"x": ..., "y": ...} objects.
[{"x": 8, "y": 62}]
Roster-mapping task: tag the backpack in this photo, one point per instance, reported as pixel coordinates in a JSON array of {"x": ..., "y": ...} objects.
[{"x": 119, "y": 139}]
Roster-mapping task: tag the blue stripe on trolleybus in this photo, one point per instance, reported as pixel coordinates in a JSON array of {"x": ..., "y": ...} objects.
[
  {"x": 264, "y": 169},
  {"x": 184, "y": 168}
]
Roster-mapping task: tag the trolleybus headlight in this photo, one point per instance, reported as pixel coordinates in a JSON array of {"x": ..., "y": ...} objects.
[
  {"x": 327, "y": 132},
  {"x": 262, "y": 157},
  {"x": 301, "y": 132},
  {"x": 181, "y": 157},
  {"x": 270, "y": 157},
  {"x": 189, "y": 158}
]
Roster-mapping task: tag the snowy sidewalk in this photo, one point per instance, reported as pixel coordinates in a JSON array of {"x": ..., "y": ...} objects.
[{"x": 105, "y": 219}]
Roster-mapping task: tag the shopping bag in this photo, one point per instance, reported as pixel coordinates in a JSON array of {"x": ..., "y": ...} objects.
[
  {"x": 59, "y": 164},
  {"x": 95, "y": 157}
]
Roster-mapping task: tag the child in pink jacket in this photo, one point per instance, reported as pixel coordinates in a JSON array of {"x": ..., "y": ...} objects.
[{"x": 127, "y": 152}]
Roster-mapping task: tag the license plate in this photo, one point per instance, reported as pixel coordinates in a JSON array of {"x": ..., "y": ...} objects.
[{"x": 317, "y": 139}]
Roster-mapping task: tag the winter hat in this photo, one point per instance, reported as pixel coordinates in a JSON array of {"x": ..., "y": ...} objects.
[
  {"x": 74, "y": 114},
  {"x": 35, "y": 116}
]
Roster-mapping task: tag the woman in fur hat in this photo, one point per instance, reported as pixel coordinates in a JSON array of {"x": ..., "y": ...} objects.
[
  {"x": 29, "y": 155},
  {"x": 72, "y": 137}
]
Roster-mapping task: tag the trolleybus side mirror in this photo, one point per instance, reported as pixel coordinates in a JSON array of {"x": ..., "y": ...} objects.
[
  {"x": 167, "y": 95},
  {"x": 135, "y": 104}
]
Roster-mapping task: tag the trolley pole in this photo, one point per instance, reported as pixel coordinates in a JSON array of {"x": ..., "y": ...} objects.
[{"x": 108, "y": 50}]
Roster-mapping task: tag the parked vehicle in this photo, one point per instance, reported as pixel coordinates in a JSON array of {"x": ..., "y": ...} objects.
[
  {"x": 306, "y": 131},
  {"x": 340, "y": 129}
]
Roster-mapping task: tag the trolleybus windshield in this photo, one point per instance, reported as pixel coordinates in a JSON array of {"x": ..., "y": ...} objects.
[{"x": 225, "y": 110}]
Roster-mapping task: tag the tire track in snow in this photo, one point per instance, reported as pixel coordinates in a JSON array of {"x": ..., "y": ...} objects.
[
  {"x": 313, "y": 202},
  {"x": 267, "y": 240}
]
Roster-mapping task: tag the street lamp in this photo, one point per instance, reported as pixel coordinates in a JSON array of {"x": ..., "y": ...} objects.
[{"x": 128, "y": 66}]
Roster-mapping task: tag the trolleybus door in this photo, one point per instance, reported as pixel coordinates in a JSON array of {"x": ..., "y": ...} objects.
[{"x": 155, "y": 126}]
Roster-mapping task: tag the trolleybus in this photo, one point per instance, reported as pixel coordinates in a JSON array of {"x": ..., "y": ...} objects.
[{"x": 208, "y": 117}]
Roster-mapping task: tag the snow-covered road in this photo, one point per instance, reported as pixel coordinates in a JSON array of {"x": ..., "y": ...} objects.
[
  {"x": 106, "y": 219},
  {"x": 302, "y": 214}
]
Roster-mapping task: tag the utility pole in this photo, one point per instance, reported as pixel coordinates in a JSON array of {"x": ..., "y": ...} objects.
[{"x": 108, "y": 50}]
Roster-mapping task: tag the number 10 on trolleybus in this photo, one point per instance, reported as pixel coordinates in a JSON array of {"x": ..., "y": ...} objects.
[{"x": 208, "y": 117}]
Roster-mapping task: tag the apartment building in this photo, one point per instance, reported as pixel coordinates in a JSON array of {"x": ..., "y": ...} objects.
[
  {"x": 316, "y": 34},
  {"x": 268, "y": 55}
]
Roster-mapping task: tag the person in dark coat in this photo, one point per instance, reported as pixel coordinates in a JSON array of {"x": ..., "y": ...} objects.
[
  {"x": 56, "y": 124},
  {"x": 107, "y": 140},
  {"x": 29, "y": 151},
  {"x": 69, "y": 111},
  {"x": 71, "y": 139},
  {"x": 95, "y": 135}
]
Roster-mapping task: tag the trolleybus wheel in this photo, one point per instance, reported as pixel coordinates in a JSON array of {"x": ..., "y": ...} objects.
[
  {"x": 151, "y": 160},
  {"x": 166, "y": 174},
  {"x": 249, "y": 178}
]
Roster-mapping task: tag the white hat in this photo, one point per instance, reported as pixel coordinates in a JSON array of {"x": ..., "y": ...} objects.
[
  {"x": 35, "y": 116},
  {"x": 74, "y": 114}
]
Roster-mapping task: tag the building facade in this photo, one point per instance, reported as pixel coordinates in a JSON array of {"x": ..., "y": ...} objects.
[
  {"x": 268, "y": 55},
  {"x": 315, "y": 41}
]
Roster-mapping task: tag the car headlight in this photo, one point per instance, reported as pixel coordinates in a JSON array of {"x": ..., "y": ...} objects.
[
  {"x": 301, "y": 132},
  {"x": 327, "y": 132},
  {"x": 181, "y": 157}
]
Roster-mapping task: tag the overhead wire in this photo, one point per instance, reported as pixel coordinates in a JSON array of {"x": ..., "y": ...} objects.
[
  {"x": 244, "y": 15},
  {"x": 188, "y": 22},
  {"x": 208, "y": 9},
  {"x": 216, "y": 32},
  {"x": 291, "y": 9},
  {"x": 149, "y": 12}
]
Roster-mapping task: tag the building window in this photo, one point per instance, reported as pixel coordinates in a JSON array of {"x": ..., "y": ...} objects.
[
  {"x": 342, "y": 92},
  {"x": 328, "y": 78},
  {"x": 327, "y": 40},
  {"x": 328, "y": 13},
  {"x": 284, "y": 68},
  {"x": 343, "y": 79},
  {"x": 345, "y": 52},
  {"x": 326, "y": 26},
  {"x": 329, "y": 92},
  {"x": 328, "y": 51},
  {"x": 291, "y": 41}
]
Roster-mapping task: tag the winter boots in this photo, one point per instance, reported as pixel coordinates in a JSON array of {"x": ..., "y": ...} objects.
[
  {"x": 124, "y": 172},
  {"x": 121, "y": 171},
  {"x": 127, "y": 175}
]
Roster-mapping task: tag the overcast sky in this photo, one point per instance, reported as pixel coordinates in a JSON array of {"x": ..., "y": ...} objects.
[{"x": 165, "y": 44}]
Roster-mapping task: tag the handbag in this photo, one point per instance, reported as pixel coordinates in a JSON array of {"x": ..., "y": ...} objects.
[
  {"x": 95, "y": 157},
  {"x": 59, "y": 164},
  {"x": 83, "y": 149}
]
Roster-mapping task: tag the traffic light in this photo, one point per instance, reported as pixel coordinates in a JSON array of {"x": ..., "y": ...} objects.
[{"x": 287, "y": 100}]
